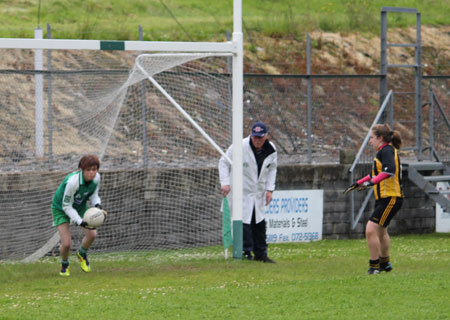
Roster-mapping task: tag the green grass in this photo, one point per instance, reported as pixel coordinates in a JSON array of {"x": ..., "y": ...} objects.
[
  {"x": 207, "y": 20},
  {"x": 319, "y": 280}
]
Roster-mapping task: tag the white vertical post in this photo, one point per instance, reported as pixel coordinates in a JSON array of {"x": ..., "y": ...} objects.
[
  {"x": 309, "y": 103},
  {"x": 39, "y": 97},
  {"x": 237, "y": 172}
]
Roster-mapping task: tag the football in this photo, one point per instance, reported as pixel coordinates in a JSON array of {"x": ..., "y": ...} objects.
[{"x": 94, "y": 217}]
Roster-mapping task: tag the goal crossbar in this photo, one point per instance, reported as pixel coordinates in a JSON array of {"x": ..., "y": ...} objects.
[{"x": 161, "y": 46}]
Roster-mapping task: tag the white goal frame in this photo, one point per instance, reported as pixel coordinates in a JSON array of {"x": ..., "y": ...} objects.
[{"x": 233, "y": 47}]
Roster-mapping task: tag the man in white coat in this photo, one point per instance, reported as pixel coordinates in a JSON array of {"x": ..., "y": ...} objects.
[{"x": 259, "y": 170}]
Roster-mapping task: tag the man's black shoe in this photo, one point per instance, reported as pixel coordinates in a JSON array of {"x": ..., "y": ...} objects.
[
  {"x": 265, "y": 259},
  {"x": 248, "y": 255},
  {"x": 268, "y": 260}
]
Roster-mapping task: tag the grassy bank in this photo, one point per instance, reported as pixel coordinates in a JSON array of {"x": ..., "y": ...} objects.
[
  {"x": 319, "y": 280},
  {"x": 205, "y": 20}
]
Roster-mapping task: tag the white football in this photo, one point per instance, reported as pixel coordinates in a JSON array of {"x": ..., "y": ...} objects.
[{"x": 94, "y": 217}]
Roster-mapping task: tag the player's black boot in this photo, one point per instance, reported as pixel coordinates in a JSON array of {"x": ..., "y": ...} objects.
[
  {"x": 374, "y": 267},
  {"x": 373, "y": 271},
  {"x": 386, "y": 267},
  {"x": 385, "y": 264}
]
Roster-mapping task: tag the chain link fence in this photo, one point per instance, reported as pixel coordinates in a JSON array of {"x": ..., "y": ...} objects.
[{"x": 342, "y": 110}]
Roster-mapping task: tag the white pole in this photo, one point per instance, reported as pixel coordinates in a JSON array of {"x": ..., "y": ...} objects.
[
  {"x": 39, "y": 98},
  {"x": 237, "y": 172}
]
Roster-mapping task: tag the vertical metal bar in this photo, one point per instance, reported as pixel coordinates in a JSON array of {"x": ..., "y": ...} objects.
[
  {"x": 362, "y": 208},
  {"x": 144, "y": 112},
  {"x": 50, "y": 100},
  {"x": 431, "y": 123},
  {"x": 352, "y": 198},
  {"x": 309, "y": 112},
  {"x": 418, "y": 85},
  {"x": 383, "y": 56},
  {"x": 230, "y": 90},
  {"x": 141, "y": 33},
  {"x": 391, "y": 111}
]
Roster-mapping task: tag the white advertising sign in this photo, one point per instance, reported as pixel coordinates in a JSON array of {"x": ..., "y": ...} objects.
[
  {"x": 295, "y": 216},
  {"x": 442, "y": 217}
]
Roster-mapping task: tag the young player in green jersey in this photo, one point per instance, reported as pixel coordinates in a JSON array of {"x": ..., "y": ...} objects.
[{"x": 70, "y": 203}]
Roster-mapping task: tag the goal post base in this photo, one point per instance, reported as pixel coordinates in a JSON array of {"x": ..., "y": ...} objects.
[{"x": 237, "y": 239}]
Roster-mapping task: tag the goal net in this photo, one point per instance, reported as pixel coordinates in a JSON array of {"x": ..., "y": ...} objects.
[{"x": 157, "y": 126}]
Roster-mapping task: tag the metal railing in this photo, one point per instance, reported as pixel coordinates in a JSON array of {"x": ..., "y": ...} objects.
[
  {"x": 362, "y": 164},
  {"x": 439, "y": 129}
]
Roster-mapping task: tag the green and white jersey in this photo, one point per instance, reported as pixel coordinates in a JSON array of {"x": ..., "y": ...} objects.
[{"x": 72, "y": 195}]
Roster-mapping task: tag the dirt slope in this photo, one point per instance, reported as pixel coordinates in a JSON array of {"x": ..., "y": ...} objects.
[{"x": 346, "y": 53}]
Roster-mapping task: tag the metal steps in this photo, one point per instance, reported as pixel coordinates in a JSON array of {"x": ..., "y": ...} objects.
[
  {"x": 437, "y": 178},
  {"x": 422, "y": 173}
]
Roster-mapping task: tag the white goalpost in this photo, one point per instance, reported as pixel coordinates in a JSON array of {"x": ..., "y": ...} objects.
[{"x": 159, "y": 129}]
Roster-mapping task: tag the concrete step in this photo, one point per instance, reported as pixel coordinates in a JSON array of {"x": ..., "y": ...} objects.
[
  {"x": 424, "y": 165},
  {"x": 437, "y": 178},
  {"x": 424, "y": 183},
  {"x": 438, "y": 192}
]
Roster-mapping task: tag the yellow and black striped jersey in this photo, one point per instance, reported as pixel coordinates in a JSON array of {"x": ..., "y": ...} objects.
[{"x": 387, "y": 160}]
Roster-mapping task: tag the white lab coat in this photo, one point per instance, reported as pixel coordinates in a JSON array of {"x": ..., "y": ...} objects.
[{"x": 254, "y": 187}]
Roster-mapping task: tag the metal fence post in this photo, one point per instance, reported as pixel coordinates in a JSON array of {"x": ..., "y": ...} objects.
[
  {"x": 418, "y": 82},
  {"x": 431, "y": 123},
  {"x": 391, "y": 112},
  {"x": 309, "y": 112},
  {"x": 383, "y": 56},
  {"x": 351, "y": 179}
]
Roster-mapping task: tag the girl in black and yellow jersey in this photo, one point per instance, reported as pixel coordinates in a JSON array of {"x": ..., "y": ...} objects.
[{"x": 386, "y": 181}]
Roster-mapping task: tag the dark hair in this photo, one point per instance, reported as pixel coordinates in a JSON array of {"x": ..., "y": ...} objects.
[
  {"x": 89, "y": 160},
  {"x": 389, "y": 136}
]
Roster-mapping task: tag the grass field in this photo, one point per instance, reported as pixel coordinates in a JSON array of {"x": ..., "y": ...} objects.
[
  {"x": 319, "y": 280},
  {"x": 206, "y": 20}
]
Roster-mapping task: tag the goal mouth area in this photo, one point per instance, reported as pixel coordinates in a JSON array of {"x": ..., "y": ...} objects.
[{"x": 159, "y": 180}]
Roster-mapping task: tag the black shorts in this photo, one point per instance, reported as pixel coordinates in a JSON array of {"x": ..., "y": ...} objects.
[{"x": 385, "y": 210}]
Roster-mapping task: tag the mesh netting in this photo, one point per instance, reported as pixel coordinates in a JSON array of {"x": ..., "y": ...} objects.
[{"x": 159, "y": 177}]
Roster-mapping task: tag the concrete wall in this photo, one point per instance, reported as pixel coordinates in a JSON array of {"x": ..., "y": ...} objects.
[{"x": 141, "y": 219}]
